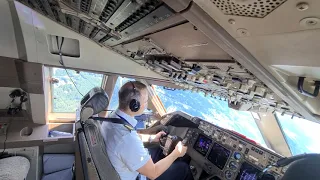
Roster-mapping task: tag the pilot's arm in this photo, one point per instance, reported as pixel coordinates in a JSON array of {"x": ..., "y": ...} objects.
[
  {"x": 137, "y": 158},
  {"x": 151, "y": 137},
  {"x": 152, "y": 171}
]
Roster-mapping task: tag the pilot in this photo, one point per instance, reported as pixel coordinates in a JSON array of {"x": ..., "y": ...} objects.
[{"x": 125, "y": 146}]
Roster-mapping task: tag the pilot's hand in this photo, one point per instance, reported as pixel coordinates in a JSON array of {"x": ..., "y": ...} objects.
[
  {"x": 158, "y": 136},
  {"x": 180, "y": 150}
]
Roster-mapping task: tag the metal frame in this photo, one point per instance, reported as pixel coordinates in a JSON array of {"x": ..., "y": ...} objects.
[
  {"x": 271, "y": 142},
  {"x": 266, "y": 140},
  {"x": 281, "y": 129}
]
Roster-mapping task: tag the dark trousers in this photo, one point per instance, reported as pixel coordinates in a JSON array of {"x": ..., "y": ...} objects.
[{"x": 179, "y": 170}]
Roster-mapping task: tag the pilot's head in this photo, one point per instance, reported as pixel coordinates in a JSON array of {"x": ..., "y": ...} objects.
[{"x": 133, "y": 97}]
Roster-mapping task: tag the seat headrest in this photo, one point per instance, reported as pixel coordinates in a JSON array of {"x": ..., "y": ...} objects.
[{"x": 96, "y": 99}]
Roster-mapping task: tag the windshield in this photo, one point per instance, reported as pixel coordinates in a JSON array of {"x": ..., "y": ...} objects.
[
  {"x": 301, "y": 135},
  {"x": 212, "y": 110}
]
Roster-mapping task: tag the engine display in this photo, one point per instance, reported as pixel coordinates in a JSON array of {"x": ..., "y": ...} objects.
[
  {"x": 248, "y": 172},
  {"x": 202, "y": 144},
  {"x": 219, "y": 155}
]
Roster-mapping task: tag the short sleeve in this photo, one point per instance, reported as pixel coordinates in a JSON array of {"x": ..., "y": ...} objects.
[{"x": 132, "y": 152}]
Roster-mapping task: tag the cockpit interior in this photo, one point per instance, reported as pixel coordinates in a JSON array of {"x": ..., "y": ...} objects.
[{"x": 237, "y": 81}]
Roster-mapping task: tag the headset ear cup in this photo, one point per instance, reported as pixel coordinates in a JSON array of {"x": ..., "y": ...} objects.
[
  {"x": 134, "y": 105},
  {"x": 15, "y": 93}
]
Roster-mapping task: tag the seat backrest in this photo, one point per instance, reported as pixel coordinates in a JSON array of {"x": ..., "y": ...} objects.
[
  {"x": 97, "y": 150},
  {"x": 95, "y": 160}
]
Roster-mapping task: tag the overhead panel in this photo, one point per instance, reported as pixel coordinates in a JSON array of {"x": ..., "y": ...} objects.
[
  {"x": 87, "y": 29},
  {"x": 97, "y": 7},
  {"x": 285, "y": 40},
  {"x": 74, "y": 3},
  {"x": 43, "y": 6},
  {"x": 187, "y": 42},
  {"x": 61, "y": 16},
  {"x": 172, "y": 21},
  {"x": 127, "y": 8},
  {"x": 194, "y": 62},
  {"x": 47, "y": 8},
  {"x": 143, "y": 11},
  {"x": 34, "y": 5},
  {"x": 152, "y": 34},
  {"x": 109, "y": 9},
  {"x": 85, "y": 5},
  {"x": 140, "y": 48},
  {"x": 94, "y": 32},
  {"x": 120, "y": 18},
  {"x": 101, "y": 34},
  {"x": 134, "y": 24},
  {"x": 75, "y": 22},
  {"x": 140, "y": 20}
]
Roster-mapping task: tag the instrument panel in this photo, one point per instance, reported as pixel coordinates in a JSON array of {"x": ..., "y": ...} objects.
[{"x": 225, "y": 154}]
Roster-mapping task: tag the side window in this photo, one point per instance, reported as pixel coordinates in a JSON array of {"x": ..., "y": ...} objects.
[
  {"x": 65, "y": 96},
  {"x": 301, "y": 135}
]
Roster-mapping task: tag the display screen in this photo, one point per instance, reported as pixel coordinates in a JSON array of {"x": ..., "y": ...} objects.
[
  {"x": 202, "y": 144},
  {"x": 248, "y": 172},
  {"x": 219, "y": 155}
]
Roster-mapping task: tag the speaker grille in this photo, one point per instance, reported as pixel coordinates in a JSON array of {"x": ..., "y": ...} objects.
[{"x": 248, "y": 8}]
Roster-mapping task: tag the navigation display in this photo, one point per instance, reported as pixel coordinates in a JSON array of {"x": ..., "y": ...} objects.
[
  {"x": 202, "y": 144},
  {"x": 248, "y": 172},
  {"x": 219, "y": 155}
]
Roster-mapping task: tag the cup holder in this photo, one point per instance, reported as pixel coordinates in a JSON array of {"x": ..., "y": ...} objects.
[{"x": 27, "y": 131}]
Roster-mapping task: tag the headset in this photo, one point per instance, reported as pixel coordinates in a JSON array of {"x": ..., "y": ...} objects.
[
  {"x": 303, "y": 166},
  {"x": 14, "y": 109},
  {"x": 134, "y": 104}
]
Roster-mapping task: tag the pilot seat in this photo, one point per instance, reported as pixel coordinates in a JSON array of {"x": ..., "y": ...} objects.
[{"x": 94, "y": 157}]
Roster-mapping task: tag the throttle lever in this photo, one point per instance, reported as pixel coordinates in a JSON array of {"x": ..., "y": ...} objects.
[{"x": 185, "y": 141}]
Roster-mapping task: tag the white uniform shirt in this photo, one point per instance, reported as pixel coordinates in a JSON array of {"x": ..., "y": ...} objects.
[{"x": 125, "y": 149}]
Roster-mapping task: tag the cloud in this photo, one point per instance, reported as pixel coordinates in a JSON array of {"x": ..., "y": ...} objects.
[{"x": 171, "y": 109}]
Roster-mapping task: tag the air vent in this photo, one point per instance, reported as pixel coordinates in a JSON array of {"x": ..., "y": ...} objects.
[
  {"x": 139, "y": 14},
  {"x": 248, "y": 8}
]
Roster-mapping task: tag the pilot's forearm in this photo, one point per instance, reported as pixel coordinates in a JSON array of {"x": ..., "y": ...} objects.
[{"x": 162, "y": 165}]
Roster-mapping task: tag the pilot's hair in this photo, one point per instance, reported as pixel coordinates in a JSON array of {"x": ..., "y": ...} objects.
[{"x": 127, "y": 93}]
